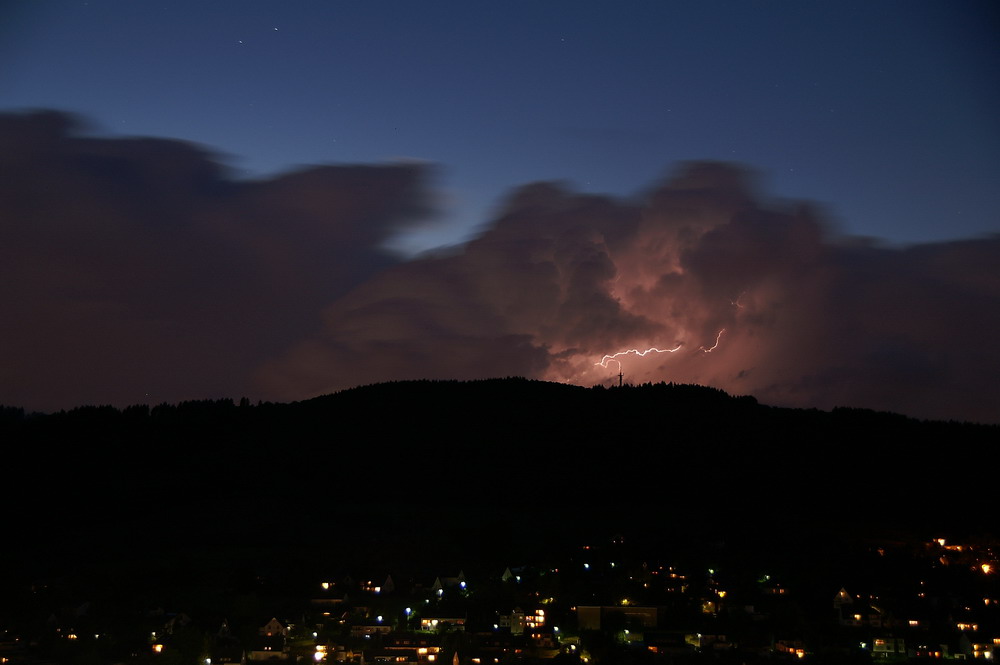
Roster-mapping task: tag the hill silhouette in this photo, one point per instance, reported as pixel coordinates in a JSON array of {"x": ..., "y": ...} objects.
[{"x": 498, "y": 468}]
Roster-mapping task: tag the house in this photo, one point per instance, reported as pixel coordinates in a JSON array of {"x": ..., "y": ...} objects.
[
  {"x": 517, "y": 622},
  {"x": 442, "y": 583},
  {"x": 426, "y": 647},
  {"x": 225, "y": 648},
  {"x": 842, "y": 598},
  {"x": 973, "y": 648},
  {"x": 442, "y": 623},
  {"x": 390, "y": 656},
  {"x": 268, "y": 648},
  {"x": 273, "y": 628},
  {"x": 849, "y": 612},
  {"x": 705, "y": 641},
  {"x": 370, "y": 586},
  {"x": 368, "y": 630},
  {"x": 592, "y": 617},
  {"x": 176, "y": 622},
  {"x": 888, "y": 646},
  {"x": 664, "y": 642},
  {"x": 544, "y": 638},
  {"x": 270, "y": 643}
]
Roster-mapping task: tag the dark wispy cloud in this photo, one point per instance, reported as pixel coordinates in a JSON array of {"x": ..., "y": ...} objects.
[
  {"x": 137, "y": 266},
  {"x": 138, "y": 270}
]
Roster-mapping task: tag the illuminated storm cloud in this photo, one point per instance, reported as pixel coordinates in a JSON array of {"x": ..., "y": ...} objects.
[{"x": 704, "y": 281}]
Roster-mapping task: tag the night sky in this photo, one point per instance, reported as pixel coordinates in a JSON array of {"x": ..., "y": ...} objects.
[{"x": 796, "y": 200}]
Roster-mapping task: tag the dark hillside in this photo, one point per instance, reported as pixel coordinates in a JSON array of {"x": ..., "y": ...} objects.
[{"x": 477, "y": 469}]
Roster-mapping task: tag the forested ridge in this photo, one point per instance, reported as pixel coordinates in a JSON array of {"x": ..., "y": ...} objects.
[{"x": 450, "y": 466}]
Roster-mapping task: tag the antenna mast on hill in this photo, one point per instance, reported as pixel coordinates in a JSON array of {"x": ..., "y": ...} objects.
[{"x": 620, "y": 375}]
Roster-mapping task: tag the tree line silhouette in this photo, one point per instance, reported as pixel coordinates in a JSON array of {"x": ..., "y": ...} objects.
[{"x": 502, "y": 466}]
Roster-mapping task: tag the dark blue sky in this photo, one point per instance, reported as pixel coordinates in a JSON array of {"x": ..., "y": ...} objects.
[{"x": 885, "y": 111}]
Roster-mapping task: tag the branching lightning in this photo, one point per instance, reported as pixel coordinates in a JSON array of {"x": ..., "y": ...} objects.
[{"x": 614, "y": 357}]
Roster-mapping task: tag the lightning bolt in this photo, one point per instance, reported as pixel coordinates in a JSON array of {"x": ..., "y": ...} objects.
[
  {"x": 717, "y": 338},
  {"x": 614, "y": 356}
]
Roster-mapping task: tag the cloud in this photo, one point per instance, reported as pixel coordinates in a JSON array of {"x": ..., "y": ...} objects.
[
  {"x": 761, "y": 297},
  {"x": 136, "y": 270}
]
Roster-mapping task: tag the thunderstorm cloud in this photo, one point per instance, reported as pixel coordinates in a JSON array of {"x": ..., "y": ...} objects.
[
  {"x": 134, "y": 266},
  {"x": 137, "y": 271}
]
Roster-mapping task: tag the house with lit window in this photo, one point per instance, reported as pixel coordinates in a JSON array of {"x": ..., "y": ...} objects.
[
  {"x": 368, "y": 630},
  {"x": 519, "y": 622},
  {"x": 976, "y": 648},
  {"x": 268, "y": 648},
  {"x": 273, "y": 628},
  {"x": 225, "y": 648},
  {"x": 380, "y": 655},
  {"x": 442, "y": 623},
  {"x": 888, "y": 646},
  {"x": 424, "y": 648},
  {"x": 852, "y": 612},
  {"x": 928, "y": 650},
  {"x": 270, "y": 643}
]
